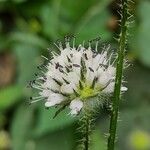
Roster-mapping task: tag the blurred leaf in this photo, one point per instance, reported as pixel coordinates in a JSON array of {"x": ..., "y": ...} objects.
[
  {"x": 94, "y": 10},
  {"x": 71, "y": 12},
  {"x": 49, "y": 15},
  {"x": 97, "y": 141},
  {"x": 60, "y": 140},
  {"x": 4, "y": 43},
  {"x": 9, "y": 96},
  {"x": 93, "y": 23},
  {"x": 2, "y": 120},
  {"x": 143, "y": 33},
  {"x": 139, "y": 139},
  {"x": 131, "y": 120},
  {"x": 138, "y": 93},
  {"x": 47, "y": 124},
  {"x": 21, "y": 127},
  {"x": 26, "y": 55},
  {"x": 19, "y": 1},
  {"x": 28, "y": 38}
]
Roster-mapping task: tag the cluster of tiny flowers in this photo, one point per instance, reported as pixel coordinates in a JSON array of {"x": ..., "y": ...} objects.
[{"x": 76, "y": 75}]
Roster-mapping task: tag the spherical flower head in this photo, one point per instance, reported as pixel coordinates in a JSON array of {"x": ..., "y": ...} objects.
[{"x": 74, "y": 77}]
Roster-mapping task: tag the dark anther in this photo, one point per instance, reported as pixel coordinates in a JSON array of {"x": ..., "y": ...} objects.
[
  {"x": 69, "y": 60},
  {"x": 85, "y": 54},
  {"x": 57, "y": 65},
  {"x": 91, "y": 69},
  {"x": 80, "y": 84},
  {"x": 76, "y": 65},
  {"x": 94, "y": 82},
  {"x": 61, "y": 70},
  {"x": 95, "y": 39},
  {"x": 94, "y": 55},
  {"x": 67, "y": 82},
  {"x": 67, "y": 69},
  {"x": 71, "y": 55},
  {"x": 36, "y": 74}
]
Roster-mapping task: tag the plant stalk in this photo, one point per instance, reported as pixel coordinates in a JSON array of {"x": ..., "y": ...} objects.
[
  {"x": 86, "y": 142},
  {"x": 85, "y": 129},
  {"x": 118, "y": 80}
]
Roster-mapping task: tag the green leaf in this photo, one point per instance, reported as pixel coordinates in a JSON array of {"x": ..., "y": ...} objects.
[
  {"x": 143, "y": 35},
  {"x": 138, "y": 93},
  {"x": 9, "y": 96},
  {"x": 93, "y": 23},
  {"x": 46, "y": 123},
  {"x": 59, "y": 140},
  {"x": 28, "y": 39},
  {"x": 4, "y": 42},
  {"x": 132, "y": 120},
  {"x": 97, "y": 141},
  {"x": 59, "y": 111},
  {"x": 49, "y": 14},
  {"x": 27, "y": 56},
  {"x": 21, "y": 127}
]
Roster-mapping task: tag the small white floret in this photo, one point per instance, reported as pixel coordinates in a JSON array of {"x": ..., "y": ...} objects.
[
  {"x": 124, "y": 89},
  {"x": 75, "y": 106},
  {"x": 54, "y": 99}
]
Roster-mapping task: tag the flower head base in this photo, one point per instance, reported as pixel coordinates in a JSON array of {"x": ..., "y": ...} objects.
[{"x": 75, "y": 76}]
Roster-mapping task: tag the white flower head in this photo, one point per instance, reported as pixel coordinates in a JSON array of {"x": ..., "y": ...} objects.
[{"x": 75, "y": 75}]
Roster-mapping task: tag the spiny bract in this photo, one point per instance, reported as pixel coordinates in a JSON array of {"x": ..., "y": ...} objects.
[{"x": 75, "y": 76}]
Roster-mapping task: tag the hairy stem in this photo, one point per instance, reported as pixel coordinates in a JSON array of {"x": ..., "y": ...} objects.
[
  {"x": 85, "y": 129},
  {"x": 86, "y": 142},
  {"x": 118, "y": 80}
]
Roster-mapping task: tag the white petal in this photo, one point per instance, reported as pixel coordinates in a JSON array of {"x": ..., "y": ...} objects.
[
  {"x": 89, "y": 54},
  {"x": 51, "y": 84},
  {"x": 123, "y": 89},
  {"x": 109, "y": 88},
  {"x": 54, "y": 99},
  {"x": 68, "y": 88},
  {"x": 90, "y": 76},
  {"x": 45, "y": 93},
  {"x": 73, "y": 77},
  {"x": 111, "y": 70},
  {"x": 103, "y": 59},
  {"x": 96, "y": 61},
  {"x": 77, "y": 57},
  {"x": 104, "y": 78},
  {"x": 75, "y": 106}
]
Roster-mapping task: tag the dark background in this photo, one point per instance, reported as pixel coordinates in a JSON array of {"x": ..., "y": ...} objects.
[{"x": 27, "y": 28}]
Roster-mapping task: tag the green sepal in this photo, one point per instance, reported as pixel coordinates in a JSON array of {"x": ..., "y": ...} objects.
[{"x": 60, "y": 110}]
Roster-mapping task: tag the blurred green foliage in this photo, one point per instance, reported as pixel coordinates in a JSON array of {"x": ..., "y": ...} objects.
[{"x": 27, "y": 28}]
